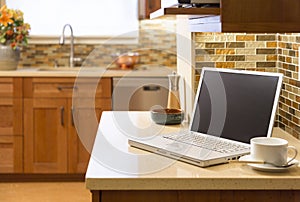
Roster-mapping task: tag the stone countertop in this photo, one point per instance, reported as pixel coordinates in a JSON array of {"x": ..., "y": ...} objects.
[
  {"x": 88, "y": 72},
  {"x": 116, "y": 166}
]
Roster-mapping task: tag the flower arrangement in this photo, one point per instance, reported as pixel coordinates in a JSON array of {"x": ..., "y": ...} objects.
[{"x": 13, "y": 30}]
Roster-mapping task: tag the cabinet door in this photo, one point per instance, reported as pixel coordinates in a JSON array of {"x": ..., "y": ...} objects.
[
  {"x": 11, "y": 153},
  {"x": 85, "y": 116},
  {"x": 11, "y": 145},
  {"x": 45, "y": 135},
  {"x": 271, "y": 16},
  {"x": 11, "y": 125}
]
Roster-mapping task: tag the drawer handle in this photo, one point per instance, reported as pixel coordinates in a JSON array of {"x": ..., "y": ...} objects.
[
  {"x": 151, "y": 88},
  {"x": 60, "y": 88},
  {"x": 62, "y": 117},
  {"x": 72, "y": 116}
]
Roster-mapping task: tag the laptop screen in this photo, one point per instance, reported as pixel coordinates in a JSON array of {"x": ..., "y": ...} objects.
[{"x": 236, "y": 105}]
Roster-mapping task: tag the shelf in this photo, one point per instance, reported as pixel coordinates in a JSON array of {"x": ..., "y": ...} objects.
[
  {"x": 249, "y": 16},
  {"x": 184, "y": 11}
]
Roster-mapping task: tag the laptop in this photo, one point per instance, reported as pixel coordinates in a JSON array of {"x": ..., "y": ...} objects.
[{"x": 230, "y": 108}]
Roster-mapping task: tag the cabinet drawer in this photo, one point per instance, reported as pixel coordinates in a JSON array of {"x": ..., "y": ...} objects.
[
  {"x": 11, "y": 122},
  {"x": 67, "y": 87},
  {"x": 10, "y": 87},
  {"x": 11, "y": 154}
]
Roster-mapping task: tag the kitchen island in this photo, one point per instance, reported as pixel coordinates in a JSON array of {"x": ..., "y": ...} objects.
[{"x": 118, "y": 172}]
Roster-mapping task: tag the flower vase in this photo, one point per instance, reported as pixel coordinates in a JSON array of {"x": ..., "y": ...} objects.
[{"x": 9, "y": 58}]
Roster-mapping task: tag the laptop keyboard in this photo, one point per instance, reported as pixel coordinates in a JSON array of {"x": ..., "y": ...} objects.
[{"x": 212, "y": 143}]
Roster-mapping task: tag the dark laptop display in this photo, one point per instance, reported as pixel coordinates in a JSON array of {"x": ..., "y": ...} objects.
[{"x": 241, "y": 108}]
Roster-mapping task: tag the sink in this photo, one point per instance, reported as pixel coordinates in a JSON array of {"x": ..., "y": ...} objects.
[{"x": 74, "y": 69}]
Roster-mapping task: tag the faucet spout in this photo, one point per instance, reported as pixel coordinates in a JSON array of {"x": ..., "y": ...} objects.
[{"x": 62, "y": 42}]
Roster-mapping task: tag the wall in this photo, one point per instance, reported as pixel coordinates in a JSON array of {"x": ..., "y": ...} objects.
[
  {"x": 156, "y": 46},
  {"x": 260, "y": 52},
  {"x": 241, "y": 51},
  {"x": 289, "y": 105}
]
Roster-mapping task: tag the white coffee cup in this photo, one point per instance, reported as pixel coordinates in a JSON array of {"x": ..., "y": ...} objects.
[{"x": 271, "y": 150}]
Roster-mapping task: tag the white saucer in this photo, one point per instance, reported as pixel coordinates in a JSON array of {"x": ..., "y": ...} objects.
[{"x": 267, "y": 167}]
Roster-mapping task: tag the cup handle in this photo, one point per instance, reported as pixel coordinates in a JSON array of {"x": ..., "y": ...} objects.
[{"x": 295, "y": 153}]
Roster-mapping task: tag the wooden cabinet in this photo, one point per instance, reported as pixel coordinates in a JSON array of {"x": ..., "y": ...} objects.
[
  {"x": 151, "y": 6},
  {"x": 85, "y": 117},
  {"x": 45, "y": 136},
  {"x": 148, "y": 6},
  {"x": 11, "y": 123},
  {"x": 245, "y": 16},
  {"x": 260, "y": 16},
  {"x": 61, "y": 117}
]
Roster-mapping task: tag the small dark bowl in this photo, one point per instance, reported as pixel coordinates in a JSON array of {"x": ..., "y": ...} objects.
[{"x": 167, "y": 116}]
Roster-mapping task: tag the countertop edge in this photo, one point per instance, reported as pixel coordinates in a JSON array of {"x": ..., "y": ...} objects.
[
  {"x": 232, "y": 176},
  {"x": 34, "y": 72},
  {"x": 194, "y": 184}
]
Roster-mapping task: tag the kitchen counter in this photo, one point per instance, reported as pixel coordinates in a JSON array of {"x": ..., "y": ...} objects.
[
  {"x": 117, "y": 172},
  {"x": 87, "y": 72}
]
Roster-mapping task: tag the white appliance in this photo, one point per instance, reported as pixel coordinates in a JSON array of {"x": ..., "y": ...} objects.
[{"x": 139, "y": 93}]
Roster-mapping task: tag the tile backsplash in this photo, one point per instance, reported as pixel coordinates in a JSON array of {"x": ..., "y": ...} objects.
[
  {"x": 156, "y": 46},
  {"x": 289, "y": 105},
  {"x": 260, "y": 52}
]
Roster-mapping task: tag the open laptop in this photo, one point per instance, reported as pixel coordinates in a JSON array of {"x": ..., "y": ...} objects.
[{"x": 231, "y": 107}]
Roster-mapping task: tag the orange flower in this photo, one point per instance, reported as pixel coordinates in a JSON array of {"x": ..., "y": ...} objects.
[
  {"x": 9, "y": 32},
  {"x": 3, "y": 8},
  {"x": 13, "y": 30},
  {"x": 5, "y": 17},
  {"x": 13, "y": 45},
  {"x": 19, "y": 38}
]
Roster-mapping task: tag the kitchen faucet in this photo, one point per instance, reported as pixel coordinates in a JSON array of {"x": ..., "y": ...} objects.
[{"x": 62, "y": 42}]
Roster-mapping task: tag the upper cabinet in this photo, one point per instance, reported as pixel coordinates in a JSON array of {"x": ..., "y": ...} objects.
[
  {"x": 148, "y": 6},
  {"x": 243, "y": 16},
  {"x": 260, "y": 15}
]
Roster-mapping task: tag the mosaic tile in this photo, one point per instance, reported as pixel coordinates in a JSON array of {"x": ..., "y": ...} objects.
[
  {"x": 266, "y": 51},
  {"x": 204, "y": 64},
  {"x": 214, "y": 45},
  {"x": 235, "y": 58},
  {"x": 214, "y": 58},
  {"x": 271, "y": 44},
  {"x": 245, "y": 65},
  {"x": 235, "y": 44},
  {"x": 224, "y": 38},
  {"x": 266, "y": 37},
  {"x": 245, "y": 51},
  {"x": 255, "y": 44},
  {"x": 245, "y": 37},
  {"x": 265, "y": 64},
  {"x": 225, "y": 51},
  {"x": 225, "y": 64},
  {"x": 154, "y": 35},
  {"x": 255, "y": 57},
  {"x": 271, "y": 57},
  {"x": 274, "y": 53}
]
